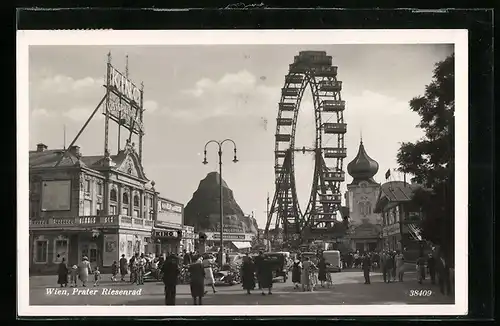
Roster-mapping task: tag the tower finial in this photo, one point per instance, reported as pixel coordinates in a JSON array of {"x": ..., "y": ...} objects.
[
  {"x": 109, "y": 57},
  {"x": 126, "y": 66},
  {"x": 361, "y": 136}
]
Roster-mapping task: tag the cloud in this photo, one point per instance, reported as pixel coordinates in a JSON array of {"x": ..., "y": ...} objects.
[
  {"x": 81, "y": 114},
  {"x": 240, "y": 93},
  {"x": 66, "y": 84},
  {"x": 150, "y": 106},
  {"x": 37, "y": 113}
]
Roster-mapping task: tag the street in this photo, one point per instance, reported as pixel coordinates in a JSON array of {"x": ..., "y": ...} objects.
[{"x": 348, "y": 288}]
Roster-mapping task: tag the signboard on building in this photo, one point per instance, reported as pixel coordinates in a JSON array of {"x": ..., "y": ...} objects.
[
  {"x": 56, "y": 195},
  {"x": 167, "y": 233},
  {"x": 110, "y": 249},
  {"x": 169, "y": 212},
  {"x": 230, "y": 236}
]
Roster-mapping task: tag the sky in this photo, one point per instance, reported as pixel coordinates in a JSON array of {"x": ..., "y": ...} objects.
[{"x": 197, "y": 93}]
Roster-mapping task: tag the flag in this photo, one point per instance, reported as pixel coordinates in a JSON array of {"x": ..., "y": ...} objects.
[{"x": 388, "y": 174}]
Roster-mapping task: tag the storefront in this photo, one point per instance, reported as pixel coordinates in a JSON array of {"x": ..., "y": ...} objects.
[
  {"x": 391, "y": 235},
  {"x": 167, "y": 240}
]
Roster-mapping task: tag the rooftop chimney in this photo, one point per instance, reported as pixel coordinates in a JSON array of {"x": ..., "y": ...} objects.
[
  {"x": 75, "y": 150},
  {"x": 41, "y": 147}
]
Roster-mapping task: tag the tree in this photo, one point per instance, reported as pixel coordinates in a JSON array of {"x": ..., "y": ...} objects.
[{"x": 431, "y": 159}]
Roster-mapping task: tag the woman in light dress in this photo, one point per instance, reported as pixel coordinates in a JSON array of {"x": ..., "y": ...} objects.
[
  {"x": 209, "y": 274},
  {"x": 307, "y": 266},
  {"x": 84, "y": 269}
]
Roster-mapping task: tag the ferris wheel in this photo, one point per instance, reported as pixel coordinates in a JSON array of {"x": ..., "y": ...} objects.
[{"x": 310, "y": 70}]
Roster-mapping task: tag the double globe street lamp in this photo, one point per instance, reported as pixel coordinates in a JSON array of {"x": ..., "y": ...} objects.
[{"x": 235, "y": 160}]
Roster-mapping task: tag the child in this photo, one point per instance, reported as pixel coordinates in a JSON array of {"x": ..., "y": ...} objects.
[
  {"x": 97, "y": 276},
  {"x": 114, "y": 271},
  {"x": 74, "y": 275}
]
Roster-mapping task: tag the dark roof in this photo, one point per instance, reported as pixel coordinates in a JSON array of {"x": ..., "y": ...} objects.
[
  {"x": 395, "y": 192},
  {"x": 398, "y": 191}
]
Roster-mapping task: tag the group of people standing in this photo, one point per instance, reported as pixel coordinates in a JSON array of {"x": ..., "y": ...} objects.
[
  {"x": 255, "y": 272},
  {"x": 80, "y": 272}
]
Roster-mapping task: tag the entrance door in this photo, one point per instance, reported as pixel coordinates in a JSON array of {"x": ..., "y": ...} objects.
[{"x": 89, "y": 249}]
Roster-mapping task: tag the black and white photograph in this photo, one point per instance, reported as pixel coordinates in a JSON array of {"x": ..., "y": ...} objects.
[{"x": 272, "y": 172}]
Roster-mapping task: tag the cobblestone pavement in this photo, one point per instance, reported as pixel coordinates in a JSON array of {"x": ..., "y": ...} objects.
[{"x": 348, "y": 288}]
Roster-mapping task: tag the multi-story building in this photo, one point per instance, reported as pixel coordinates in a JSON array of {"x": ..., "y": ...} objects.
[
  {"x": 96, "y": 206},
  {"x": 361, "y": 196},
  {"x": 401, "y": 217}
]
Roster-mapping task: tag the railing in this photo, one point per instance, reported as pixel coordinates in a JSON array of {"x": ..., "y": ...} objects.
[{"x": 92, "y": 221}]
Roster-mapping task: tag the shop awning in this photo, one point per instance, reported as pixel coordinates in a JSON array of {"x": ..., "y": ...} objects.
[{"x": 241, "y": 244}]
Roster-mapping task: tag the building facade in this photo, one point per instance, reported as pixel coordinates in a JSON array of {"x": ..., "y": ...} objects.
[
  {"x": 362, "y": 193},
  {"x": 95, "y": 206},
  {"x": 401, "y": 218}
]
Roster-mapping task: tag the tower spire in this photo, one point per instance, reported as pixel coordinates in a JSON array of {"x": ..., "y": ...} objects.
[{"x": 361, "y": 135}]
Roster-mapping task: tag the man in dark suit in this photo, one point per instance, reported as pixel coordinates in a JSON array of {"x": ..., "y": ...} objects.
[{"x": 171, "y": 272}]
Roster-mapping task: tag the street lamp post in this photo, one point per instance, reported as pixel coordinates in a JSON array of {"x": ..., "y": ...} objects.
[{"x": 235, "y": 159}]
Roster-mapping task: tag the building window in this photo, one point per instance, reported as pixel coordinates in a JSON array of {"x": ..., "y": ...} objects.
[
  {"x": 99, "y": 188},
  {"x": 113, "y": 195},
  {"x": 125, "y": 198},
  {"x": 151, "y": 215},
  {"x": 87, "y": 186},
  {"x": 136, "y": 213},
  {"x": 151, "y": 202},
  {"x": 41, "y": 252},
  {"x": 125, "y": 211},
  {"x": 60, "y": 250},
  {"x": 136, "y": 201},
  {"x": 87, "y": 205},
  {"x": 99, "y": 209},
  {"x": 365, "y": 208},
  {"x": 112, "y": 209}
]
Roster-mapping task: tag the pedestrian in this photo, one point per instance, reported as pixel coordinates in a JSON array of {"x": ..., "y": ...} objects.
[
  {"x": 84, "y": 269},
  {"x": 444, "y": 276},
  {"x": 322, "y": 271},
  {"x": 296, "y": 271},
  {"x": 62, "y": 274},
  {"x": 307, "y": 267},
  {"x": 383, "y": 263},
  {"x": 431, "y": 266},
  {"x": 420, "y": 269},
  {"x": 399, "y": 259},
  {"x": 97, "y": 276},
  {"x": 197, "y": 281},
  {"x": 265, "y": 275},
  {"x": 209, "y": 274},
  {"x": 133, "y": 268},
  {"x": 123, "y": 267},
  {"x": 248, "y": 274},
  {"x": 74, "y": 276},
  {"x": 366, "y": 265},
  {"x": 114, "y": 271},
  {"x": 389, "y": 266},
  {"x": 141, "y": 266},
  {"x": 170, "y": 271}
]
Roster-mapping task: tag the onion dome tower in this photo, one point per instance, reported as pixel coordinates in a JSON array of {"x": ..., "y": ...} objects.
[{"x": 363, "y": 167}]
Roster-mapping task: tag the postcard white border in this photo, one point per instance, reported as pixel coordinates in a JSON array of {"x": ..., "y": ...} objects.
[{"x": 300, "y": 37}]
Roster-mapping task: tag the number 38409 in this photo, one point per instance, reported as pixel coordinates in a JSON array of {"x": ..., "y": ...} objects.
[{"x": 420, "y": 293}]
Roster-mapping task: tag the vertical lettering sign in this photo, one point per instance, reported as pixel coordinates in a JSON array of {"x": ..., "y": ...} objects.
[{"x": 124, "y": 87}]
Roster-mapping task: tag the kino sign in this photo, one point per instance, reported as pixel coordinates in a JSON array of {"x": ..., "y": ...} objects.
[{"x": 123, "y": 86}]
